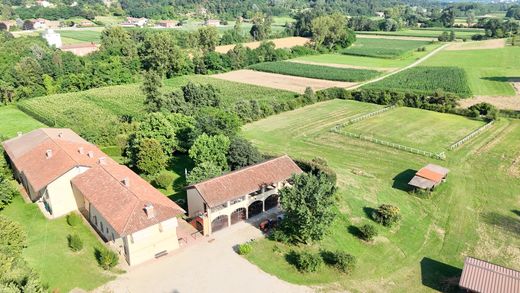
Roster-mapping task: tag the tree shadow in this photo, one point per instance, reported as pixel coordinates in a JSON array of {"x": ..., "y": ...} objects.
[
  {"x": 369, "y": 212},
  {"x": 504, "y": 222},
  {"x": 401, "y": 180},
  {"x": 180, "y": 164},
  {"x": 291, "y": 257},
  {"x": 354, "y": 230},
  {"x": 498, "y": 78},
  {"x": 516, "y": 212},
  {"x": 440, "y": 276}
]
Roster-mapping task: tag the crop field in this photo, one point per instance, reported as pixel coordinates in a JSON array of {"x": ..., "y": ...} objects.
[
  {"x": 488, "y": 71},
  {"x": 383, "y": 48},
  {"x": 425, "y": 130},
  {"x": 433, "y": 33},
  {"x": 96, "y": 113},
  {"x": 316, "y": 71},
  {"x": 13, "y": 120},
  {"x": 80, "y": 36},
  {"x": 471, "y": 214},
  {"x": 427, "y": 79}
]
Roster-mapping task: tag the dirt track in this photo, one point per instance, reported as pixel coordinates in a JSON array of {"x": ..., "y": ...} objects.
[
  {"x": 279, "y": 43},
  {"x": 386, "y": 69},
  {"x": 479, "y": 45},
  {"x": 279, "y": 81}
]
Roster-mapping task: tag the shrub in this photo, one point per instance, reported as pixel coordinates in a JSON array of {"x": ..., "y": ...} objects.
[
  {"x": 367, "y": 232},
  {"x": 106, "y": 258},
  {"x": 245, "y": 248},
  {"x": 13, "y": 237},
  {"x": 75, "y": 242},
  {"x": 307, "y": 262},
  {"x": 279, "y": 236},
  {"x": 73, "y": 219},
  {"x": 341, "y": 260},
  {"x": 7, "y": 192},
  {"x": 387, "y": 215},
  {"x": 164, "y": 179}
]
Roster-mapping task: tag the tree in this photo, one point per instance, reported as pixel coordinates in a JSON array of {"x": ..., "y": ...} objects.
[
  {"x": 387, "y": 215},
  {"x": 513, "y": 12},
  {"x": 13, "y": 238},
  {"x": 215, "y": 121},
  {"x": 309, "y": 207},
  {"x": 233, "y": 36},
  {"x": 200, "y": 95},
  {"x": 368, "y": 232},
  {"x": 242, "y": 153},
  {"x": 106, "y": 258},
  {"x": 150, "y": 157},
  {"x": 261, "y": 28},
  {"x": 485, "y": 110},
  {"x": 7, "y": 192},
  {"x": 331, "y": 31},
  {"x": 208, "y": 38},
  {"x": 448, "y": 17},
  {"x": 116, "y": 41},
  {"x": 151, "y": 87},
  {"x": 75, "y": 242},
  {"x": 203, "y": 171},
  {"x": 470, "y": 20},
  {"x": 212, "y": 149}
]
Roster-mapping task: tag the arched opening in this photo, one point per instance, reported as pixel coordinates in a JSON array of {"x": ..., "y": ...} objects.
[
  {"x": 271, "y": 201},
  {"x": 238, "y": 215},
  {"x": 255, "y": 208},
  {"x": 218, "y": 223}
]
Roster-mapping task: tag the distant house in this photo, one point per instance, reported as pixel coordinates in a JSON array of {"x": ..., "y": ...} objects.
[
  {"x": 81, "y": 49},
  {"x": 64, "y": 173},
  {"x": 166, "y": 23},
  {"x": 212, "y": 22},
  {"x": 53, "y": 38},
  {"x": 135, "y": 22},
  {"x": 429, "y": 177},
  {"x": 484, "y": 277},
  {"x": 380, "y": 14},
  {"x": 86, "y": 23},
  {"x": 228, "y": 199},
  {"x": 6, "y": 25},
  {"x": 40, "y": 24},
  {"x": 44, "y": 3}
]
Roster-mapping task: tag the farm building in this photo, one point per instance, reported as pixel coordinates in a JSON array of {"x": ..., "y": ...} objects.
[
  {"x": 64, "y": 173},
  {"x": 166, "y": 23},
  {"x": 239, "y": 195},
  {"x": 81, "y": 49},
  {"x": 212, "y": 22},
  {"x": 135, "y": 22},
  {"x": 6, "y": 25},
  {"x": 484, "y": 277},
  {"x": 53, "y": 38},
  {"x": 429, "y": 177}
]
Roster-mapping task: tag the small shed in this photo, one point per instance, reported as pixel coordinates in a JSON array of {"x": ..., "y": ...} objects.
[
  {"x": 482, "y": 276},
  {"x": 428, "y": 177}
]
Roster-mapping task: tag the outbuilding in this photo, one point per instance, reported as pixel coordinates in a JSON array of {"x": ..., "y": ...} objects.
[
  {"x": 484, "y": 277},
  {"x": 429, "y": 177}
]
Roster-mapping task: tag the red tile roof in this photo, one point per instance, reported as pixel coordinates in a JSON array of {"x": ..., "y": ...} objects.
[
  {"x": 219, "y": 190},
  {"x": 433, "y": 172},
  {"x": 485, "y": 277}
]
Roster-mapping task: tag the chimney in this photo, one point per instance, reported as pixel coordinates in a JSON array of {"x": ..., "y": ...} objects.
[
  {"x": 126, "y": 181},
  {"x": 90, "y": 154},
  {"x": 150, "y": 212},
  {"x": 48, "y": 154},
  {"x": 102, "y": 161},
  {"x": 60, "y": 135},
  {"x": 19, "y": 133},
  {"x": 81, "y": 150}
]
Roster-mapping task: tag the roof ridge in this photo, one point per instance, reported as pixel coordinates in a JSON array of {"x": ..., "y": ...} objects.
[
  {"x": 479, "y": 266},
  {"x": 240, "y": 170}
]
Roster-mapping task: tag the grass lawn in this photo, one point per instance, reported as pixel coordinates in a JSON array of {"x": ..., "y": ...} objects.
[
  {"x": 488, "y": 71},
  {"x": 383, "y": 48},
  {"x": 48, "y": 253},
  {"x": 80, "y": 36},
  {"x": 13, "y": 120},
  {"x": 473, "y": 213},
  {"x": 427, "y": 33},
  {"x": 425, "y": 130}
]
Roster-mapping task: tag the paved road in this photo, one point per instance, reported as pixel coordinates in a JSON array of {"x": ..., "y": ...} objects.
[{"x": 207, "y": 266}]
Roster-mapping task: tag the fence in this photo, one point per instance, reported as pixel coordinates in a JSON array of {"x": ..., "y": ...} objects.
[
  {"x": 439, "y": 156},
  {"x": 362, "y": 117},
  {"x": 472, "y": 135}
]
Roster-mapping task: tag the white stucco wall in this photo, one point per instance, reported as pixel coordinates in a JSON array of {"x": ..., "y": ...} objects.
[
  {"x": 59, "y": 194},
  {"x": 195, "y": 202}
]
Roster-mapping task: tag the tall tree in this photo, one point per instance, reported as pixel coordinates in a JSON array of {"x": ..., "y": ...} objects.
[
  {"x": 208, "y": 38},
  {"x": 242, "y": 153},
  {"x": 150, "y": 157},
  {"x": 210, "y": 149},
  {"x": 151, "y": 87},
  {"x": 331, "y": 31}
]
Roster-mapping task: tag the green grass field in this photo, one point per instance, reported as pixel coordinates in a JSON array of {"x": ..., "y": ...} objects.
[
  {"x": 427, "y": 33},
  {"x": 488, "y": 71},
  {"x": 427, "y": 79},
  {"x": 48, "y": 253},
  {"x": 80, "y": 36},
  {"x": 383, "y": 48},
  {"x": 315, "y": 71},
  {"x": 425, "y": 130},
  {"x": 13, "y": 120},
  {"x": 473, "y": 213}
]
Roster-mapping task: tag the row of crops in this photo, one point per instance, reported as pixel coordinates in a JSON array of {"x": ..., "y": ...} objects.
[
  {"x": 316, "y": 71},
  {"x": 383, "y": 48},
  {"x": 427, "y": 79}
]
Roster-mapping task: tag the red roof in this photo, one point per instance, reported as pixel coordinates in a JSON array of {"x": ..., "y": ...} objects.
[
  {"x": 230, "y": 186},
  {"x": 430, "y": 175},
  {"x": 485, "y": 277}
]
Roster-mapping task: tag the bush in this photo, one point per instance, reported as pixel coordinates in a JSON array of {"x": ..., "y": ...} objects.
[
  {"x": 245, "y": 248},
  {"x": 13, "y": 237},
  {"x": 75, "y": 242},
  {"x": 7, "y": 192},
  {"x": 307, "y": 262},
  {"x": 279, "y": 236},
  {"x": 367, "y": 232},
  {"x": 387, "y": 215},
  {"x": 73, "y": 219},
  {"x": 106, "y": 258},
  {"x": 164, "y": 179},
  {"x": 317, "y": 166},
  {"x": 341, "y": 260}
]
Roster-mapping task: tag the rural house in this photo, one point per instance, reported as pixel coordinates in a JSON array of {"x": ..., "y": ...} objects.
[
  {"x": 212, "y": 22},
  {"x": 484, "y": 277},
  {"x": 135, "y": 22},
  {"x": 166, "y": 23},
  {"x": 429, "y": 177},
  {"x": 64, "y": 173},
  {"x": 225, "y": 200}
]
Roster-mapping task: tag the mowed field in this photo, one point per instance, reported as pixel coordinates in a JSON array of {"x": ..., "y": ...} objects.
[
  {"x": 383, "y": 48},
  {"x": 13, "y": 121},
  {"x": 80, "y": 36},
  {"x": 473, "y": 213},
  {"x": 433, "y": 32},
  {"x": 425, "y": 130}
]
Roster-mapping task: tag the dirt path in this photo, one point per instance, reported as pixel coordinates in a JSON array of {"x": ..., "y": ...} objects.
[
  {"x": 278, "y": 81},
  {"x": 405, "y": 38},
  {"x": 479, "y": 45},
  {"x": 279, "y": 43},
  {"x": 386, "y": 69}
]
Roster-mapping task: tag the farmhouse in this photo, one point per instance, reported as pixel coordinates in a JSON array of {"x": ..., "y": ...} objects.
[
  {"x": 53, "y": 38},
  {"x": 482, "y": 276},
  {"x": 81, "y": 49},
  {"x": 133, "y": 22},
  {"x": 223, "y": 201},
  {"x": 166, "y": 23},
  {"x": 212, "y": 22},
  {"x": 429, "y": 177},
  {"x": 64, "y": 173}
]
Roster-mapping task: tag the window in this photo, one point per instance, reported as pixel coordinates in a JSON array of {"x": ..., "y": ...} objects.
[
  {"x": 101, "y": 223},
  {"x": 238, "y": 200},
  {"x": 95, "y": 220}
]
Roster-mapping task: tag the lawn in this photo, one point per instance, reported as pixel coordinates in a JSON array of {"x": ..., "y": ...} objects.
[
  {"x": 48, "y": 253},
  {"x": 315, "y": 71},
  {"x": 425, "y": 130},
  {"x": 427, "y": 33},
  {"x": 14, "y": 120},
  {"x": 80, "y": 36},
  {"x": 473, "y": 213},
  {"x": 383, "y": 48},
  {"x": 488, "y": 71}
]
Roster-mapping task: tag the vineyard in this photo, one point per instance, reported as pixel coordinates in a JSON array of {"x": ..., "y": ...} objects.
[
  {"x": 383, "y": 48},
  {"x": 316, "y": 71},
  {"x": 427, "y": 79}
]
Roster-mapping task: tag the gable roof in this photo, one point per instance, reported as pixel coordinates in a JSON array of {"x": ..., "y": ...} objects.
[
  {"x": 220, "y": 189},
  {"x": 433, "y": 172},
  {"x": 485, "y": 277}
]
